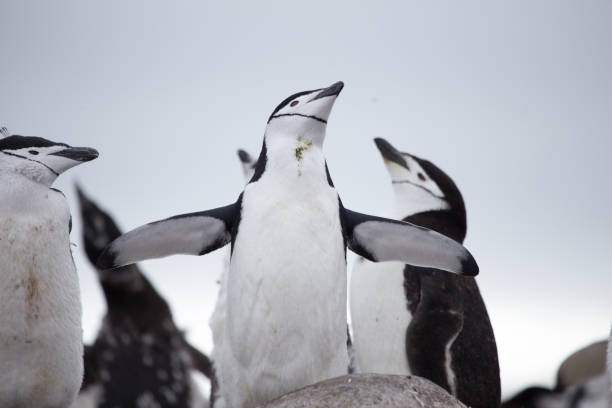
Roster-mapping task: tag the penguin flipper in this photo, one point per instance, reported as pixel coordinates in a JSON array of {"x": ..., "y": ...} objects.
[
  {"x": 381, "y": 239},
  {"x": 190, "y": 234}
]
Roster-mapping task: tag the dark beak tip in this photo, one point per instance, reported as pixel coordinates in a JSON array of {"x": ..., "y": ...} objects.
[
  {"x": 385, "y": 148},
  {"x": 380, "y": 142},
  {"x": 244, "y": 156},
  {"x": 84, "y": 154},
  {"x": 333, "y": 90},
  {"x": 336, "y": 88}
]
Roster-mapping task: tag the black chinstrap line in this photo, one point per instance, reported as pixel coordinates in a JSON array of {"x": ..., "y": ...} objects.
[
  {"x": 32, "y": 160},
  {"x": 416, "y": 185},
  {"x": 299, "y": 114}
]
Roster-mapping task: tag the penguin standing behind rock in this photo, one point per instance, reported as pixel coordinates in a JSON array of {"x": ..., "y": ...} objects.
[
  {"x": 285, "y": 325},
  {"x": 139, "y": 358},
  {"x": 41, "y": 346},
  {"x": 411, "y": 320},
  {"x": 582, "y": 382}
]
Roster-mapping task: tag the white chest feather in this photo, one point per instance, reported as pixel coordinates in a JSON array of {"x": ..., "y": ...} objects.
[
  {"x": 380, "y": 317},
  {"x": 40, "y": 311},
  {"x": 286, "y": 289}
]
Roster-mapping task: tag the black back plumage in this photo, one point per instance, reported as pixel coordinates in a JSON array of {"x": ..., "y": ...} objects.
[
  {"x": 446, "y": 307},
  {"x": 139, "y": 354}
]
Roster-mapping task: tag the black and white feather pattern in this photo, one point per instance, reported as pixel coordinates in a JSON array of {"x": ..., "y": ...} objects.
[{"x": 139, "y": 358}]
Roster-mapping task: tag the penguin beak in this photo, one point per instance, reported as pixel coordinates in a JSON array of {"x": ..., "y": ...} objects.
[
  {"x": 390, "y": 153},
  {"x": 244, "y": 156},
  {"x": 69, "y": 157},
  {"x": 79, "y": 154},
  {"x": 333, "y": 90}
]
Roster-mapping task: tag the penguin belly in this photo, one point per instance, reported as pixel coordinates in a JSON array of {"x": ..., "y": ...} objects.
[
  {"x": 41, "y": 349},
  {"x": 286, "y": 297},
  {"x": 379, "y": 317}
]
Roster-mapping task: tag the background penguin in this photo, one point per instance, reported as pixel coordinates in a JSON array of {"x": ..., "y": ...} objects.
[
  {"x": 410, "y": 320},
  {"x": 586, "y": 363},
  {"x": 286, "y": 287},
  {"x": 41, "y": 346},
  {"x": 139, "y": 357},
  {"x": 218, "y": 316},
  {"x": 582, "y": 382}
]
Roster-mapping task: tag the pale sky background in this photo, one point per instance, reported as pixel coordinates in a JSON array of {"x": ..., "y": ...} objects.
[{"x": 512, "y": 99}]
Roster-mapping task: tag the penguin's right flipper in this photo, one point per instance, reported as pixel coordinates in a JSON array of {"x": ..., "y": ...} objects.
[
  {"x": 191, "y": 234},
  {"x": 381, "y": 239}
]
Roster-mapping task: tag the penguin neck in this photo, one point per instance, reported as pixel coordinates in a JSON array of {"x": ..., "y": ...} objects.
[
  {"x": 294, "y": 161},
  {"x": 20, "y": 168},
  {"x": 411, "y": 199},
  {"x": 133, "y": 302},
  {"x": 18, "y": 192}
]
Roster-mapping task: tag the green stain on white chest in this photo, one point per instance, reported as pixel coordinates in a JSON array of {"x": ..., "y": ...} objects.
[{"x": 302, "y": 146}]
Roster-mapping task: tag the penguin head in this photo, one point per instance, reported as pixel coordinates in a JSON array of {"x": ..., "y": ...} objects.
[
  {"x": 39, "y": 159},
  {"x": 303, "y": 116},
  {"x": 248, "y": 164},
  {"x": 419, "y": 185}
]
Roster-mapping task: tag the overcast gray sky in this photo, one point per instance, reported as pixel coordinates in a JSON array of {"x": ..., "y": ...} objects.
[{"x": 513, "y": 100}]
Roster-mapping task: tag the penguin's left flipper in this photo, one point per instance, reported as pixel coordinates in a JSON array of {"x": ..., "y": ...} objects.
[
  {"x": 381, "y": 239},
  {"x": 190, "y": 234}
]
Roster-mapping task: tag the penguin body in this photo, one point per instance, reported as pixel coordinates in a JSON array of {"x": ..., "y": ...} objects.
[
  {"x": 286, "y": 286},
  {"x": 421, "y": 321},
  {"x": 140, "y": 357},
  {"x": 308, "y": 272},
  {"x": 41, "y": 347}
]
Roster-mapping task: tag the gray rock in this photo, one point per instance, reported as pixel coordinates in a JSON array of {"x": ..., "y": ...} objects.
[{"x": 369, "y": 390}]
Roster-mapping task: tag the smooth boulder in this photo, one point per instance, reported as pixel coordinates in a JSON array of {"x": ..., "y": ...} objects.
[{"x": 369, "y": 390}]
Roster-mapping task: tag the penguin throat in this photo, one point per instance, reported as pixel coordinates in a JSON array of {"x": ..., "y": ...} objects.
[
  {"x": 303, "y": 146},
  {"x": 30, "y": 169},
  {"x": 295, "y": 158},
  {"x": 412, "y": 199}
]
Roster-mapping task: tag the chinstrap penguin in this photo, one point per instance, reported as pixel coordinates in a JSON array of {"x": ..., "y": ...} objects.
[
  {"x": 420, "y": 321},
  {"x": 582, "y": 382},
  {"x": 139, "y": 357},
  {"x": 41, "y": 346},
  {"x": 218, "y": 316},
  {"x": 286, "y": 289}
]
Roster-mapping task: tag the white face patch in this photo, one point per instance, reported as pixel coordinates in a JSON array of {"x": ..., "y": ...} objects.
[
  {"x": 414, "y": 175},
  {"x": 303, "y": 115},
  {"x": 39, "y": 159},
  {"x": 34, "y": 163},
  {"x": 415, "y": 190},
  {"x": 297, "y": 105}
]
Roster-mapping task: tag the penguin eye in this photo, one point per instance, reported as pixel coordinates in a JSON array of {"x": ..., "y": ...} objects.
[
  {"x": 294, "y": 103},
  {"x": 421, "y": 176},
  {"x": 33, "y": 152}
]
